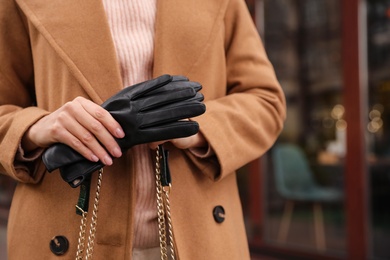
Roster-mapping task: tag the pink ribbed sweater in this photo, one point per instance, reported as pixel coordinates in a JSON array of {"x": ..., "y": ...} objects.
[{"x": 132, "y": 28}]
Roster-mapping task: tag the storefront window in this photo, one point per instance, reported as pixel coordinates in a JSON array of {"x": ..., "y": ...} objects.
[
  {"x": 378, "y": 123},
  {"x": 304, "y": 189},
  {"x": 7, "y": 186}
]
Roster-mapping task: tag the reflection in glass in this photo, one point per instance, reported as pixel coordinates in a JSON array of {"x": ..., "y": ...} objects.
[
  {"x": 304, "y": 189},
  {"x": 378, "y": 123}
]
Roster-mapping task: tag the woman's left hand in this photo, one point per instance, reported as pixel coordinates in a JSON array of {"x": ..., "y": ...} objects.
[{"x": 192, "y": 141}]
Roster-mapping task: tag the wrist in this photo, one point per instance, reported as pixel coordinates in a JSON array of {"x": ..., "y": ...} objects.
[{"x": 27, "y": 144}]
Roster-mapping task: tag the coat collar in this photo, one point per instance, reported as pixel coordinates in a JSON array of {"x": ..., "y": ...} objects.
[{"x": 79, "y": 32}]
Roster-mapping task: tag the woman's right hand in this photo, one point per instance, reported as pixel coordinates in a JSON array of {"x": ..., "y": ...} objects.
[{"x": 81, "y": 124}]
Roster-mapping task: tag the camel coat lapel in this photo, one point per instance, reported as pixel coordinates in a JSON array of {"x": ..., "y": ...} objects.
[
  {"x": 76, "y": 31},
  {"x": 79, "y": 33}
]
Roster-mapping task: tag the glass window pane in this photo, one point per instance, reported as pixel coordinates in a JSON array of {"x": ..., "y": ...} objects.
[
  {"x": 7, "y": 186},
  {"x": 378, "y": 123},
  {"x": 304, "y": 169}
]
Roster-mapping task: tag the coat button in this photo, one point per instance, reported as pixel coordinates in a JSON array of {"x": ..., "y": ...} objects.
[
  {"x": 219, "y": 214},
  {"x": 59, "y": 245}
]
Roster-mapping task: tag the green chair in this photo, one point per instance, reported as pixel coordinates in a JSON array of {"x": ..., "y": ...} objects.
[{"x": 295, "y": 182}]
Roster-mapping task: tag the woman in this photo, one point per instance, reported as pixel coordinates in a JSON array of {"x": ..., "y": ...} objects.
[{"x": 60, "y": 57}]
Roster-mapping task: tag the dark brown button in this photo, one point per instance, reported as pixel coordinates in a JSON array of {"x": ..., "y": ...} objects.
[
  {"x": 59, "y": 245},
  {"x": 219, "y": 214}
]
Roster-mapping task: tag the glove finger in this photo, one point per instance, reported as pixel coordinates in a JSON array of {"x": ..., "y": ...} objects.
[
  {"x": 171, "y": 113},
  {"x": 53, "y": 161},
  {"x": 75, "y": 173},
  {"x": 185, "y": 95},
  {"x": 165, "y": 98},
  {"x": 150, "y": 85},
  {"x": 175, "y": 85},
  {"x": 168, "y": 131},
  {"x": 179, "y": 78},
  {"x": 198, "y": 97},
  {"x": 137, "y": 90}
]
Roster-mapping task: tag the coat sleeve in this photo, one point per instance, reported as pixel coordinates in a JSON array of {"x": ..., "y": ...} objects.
[
  {"x": 244, "y": 124},
  {"x": 17, "y": 98}
]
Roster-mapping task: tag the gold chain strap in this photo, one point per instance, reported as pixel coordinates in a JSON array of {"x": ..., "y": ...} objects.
[
  {"x": 163, "y": 206},
  {"x": 83, "y": 225},
  {"x": 168, "y": 210},
  {"x": 160, "y": 210},
  {"x": 92, "y": 229}
]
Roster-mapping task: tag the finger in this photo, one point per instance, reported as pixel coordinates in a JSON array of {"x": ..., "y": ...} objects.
[
  {"x": 179, "y": 78},
  {"x": 154, "y": 145},
  {"x": 171, "y": 113},
  {"x": 68, "y": 128},
  {"x": 174, "y": 86},
  {"x": 100, "y": 124},
  {"x": 183, "y": 143},
  {"x": 168, "y": 131},
  {"x": 147, "y": 86},
  {"x": 196, "y": 140},
  {"x": 168, "y": 97},
  {"x": 84, "y": 141},
  {"x": 73, "y": 142},
  {"x": 103, "y": 116},
  {"x": 137, "y": 90}
]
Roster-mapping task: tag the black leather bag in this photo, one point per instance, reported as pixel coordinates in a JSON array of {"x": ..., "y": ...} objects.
[{"x": 150, "y": 111}]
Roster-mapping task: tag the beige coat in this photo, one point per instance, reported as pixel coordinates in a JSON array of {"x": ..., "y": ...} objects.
[{"x": 54, "y": 50}]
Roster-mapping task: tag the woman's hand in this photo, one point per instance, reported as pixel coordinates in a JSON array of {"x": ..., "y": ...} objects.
[
  {"x": 81, "y": 124},
  {"x": 193, "y": 141}
]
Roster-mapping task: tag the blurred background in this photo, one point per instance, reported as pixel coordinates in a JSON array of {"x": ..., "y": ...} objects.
[{"x": 323, "y": 189}]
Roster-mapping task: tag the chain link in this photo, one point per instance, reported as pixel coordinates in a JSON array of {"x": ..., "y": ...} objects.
[
  {"x": 160, "y": 210},
  {"x": 163, "y": 206},
  {"x": 92, "y": 229},
  {"x": 163, "y": 211},
  {"x": 168, "y": 215},
  {"x": 81, "y": 240}
]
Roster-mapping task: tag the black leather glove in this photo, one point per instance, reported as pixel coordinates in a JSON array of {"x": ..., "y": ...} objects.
[{"x": 148, "y": 112}]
